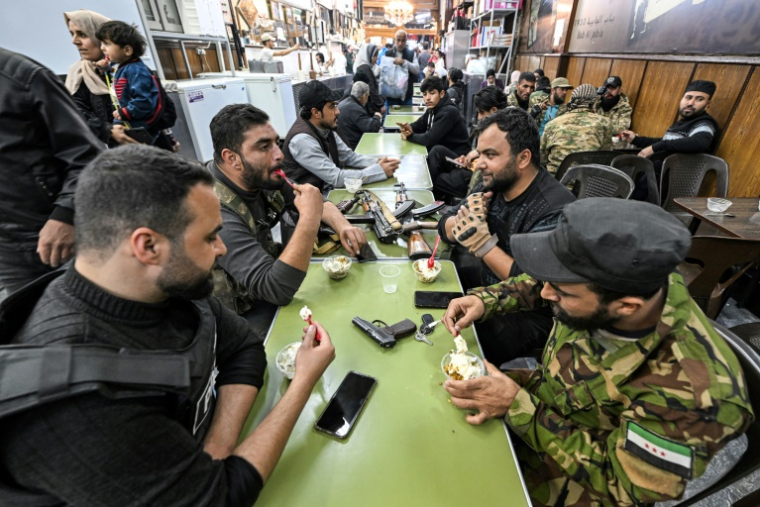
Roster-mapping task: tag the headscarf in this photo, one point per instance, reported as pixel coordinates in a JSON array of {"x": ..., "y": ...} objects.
[
  {"x": 364, "y": 57},
  {"x": 583, "y": 96},
  {"x": 84, "y": 70}
]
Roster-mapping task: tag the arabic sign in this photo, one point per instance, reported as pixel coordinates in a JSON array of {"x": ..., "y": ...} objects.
[{"x": 666, "y": 26}]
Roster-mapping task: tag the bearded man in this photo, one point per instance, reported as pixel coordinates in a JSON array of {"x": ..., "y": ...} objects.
[
  {"x": 516, "y": 196},
  {"x": 258, "y": 274}
]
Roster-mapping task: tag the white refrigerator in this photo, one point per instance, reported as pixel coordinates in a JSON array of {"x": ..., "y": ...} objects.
[
  {"x": 201, "y": 99},
  {"x": 272, "y": 93}
]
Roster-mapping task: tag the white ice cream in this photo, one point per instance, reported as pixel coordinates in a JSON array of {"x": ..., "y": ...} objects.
[
  {"x": 286, "y": 361},
  {"x": 305, "y": 313},
  {"x": 461, "y": 363}
]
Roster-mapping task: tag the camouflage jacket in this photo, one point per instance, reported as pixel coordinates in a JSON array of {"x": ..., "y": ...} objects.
[
  {"x": 622, "y": 421},
  {"x": 575, "y": 131},
  {"x": 512, "y": 100},
  {"x": 619, "y": 116},
  {"x": 536, "y": 98}
]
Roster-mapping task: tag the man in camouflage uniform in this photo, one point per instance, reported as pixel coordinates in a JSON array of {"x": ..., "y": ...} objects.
[
  {"x": 577, "y": 130},
  {"x": 614, "y": 104},
  {"x": 543, "y": 89},
  {"x": 635, "y": 392},
  {"x": 257, "y": 274},
  {"x": 545, "y": 108},
  {"x": 520, "y": 96}
]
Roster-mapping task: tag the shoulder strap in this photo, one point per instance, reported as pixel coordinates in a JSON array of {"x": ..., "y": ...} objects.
[{"x": 234, "y": 203}]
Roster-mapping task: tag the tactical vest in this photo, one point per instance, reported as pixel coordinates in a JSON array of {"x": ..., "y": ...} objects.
[
  {"x": 299, "y": 173},
  {"x": 35, "y": 375},
  {"x": 231, "y": 293}
]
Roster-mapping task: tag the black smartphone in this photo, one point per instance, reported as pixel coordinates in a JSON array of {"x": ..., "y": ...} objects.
[
  {"x": 140, "y": 135},
  {"x": 346, "y": 404},
  {"x": 434, "y": 299}
]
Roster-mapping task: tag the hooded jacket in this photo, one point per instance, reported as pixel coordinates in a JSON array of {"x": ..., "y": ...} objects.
[{"x": 442, "y": 126}]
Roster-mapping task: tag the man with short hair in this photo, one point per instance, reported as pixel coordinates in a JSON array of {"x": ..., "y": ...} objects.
[
  {"x": 614, "y": 105},
  {"x": 424, "y": 55},
  {"x": 695, "y": 132},
  {"x": 544, "y": 111},
  {"x": 441, "y": 125},
  {"x": 404, "y": 57},
  {"x": 268, "y": 53},
  {"x": 543, "y": 89},
  {"x": 258, "y": 275},
  {"x": 516, "y": 196},
  {"x": 315, "y": 155},
  {"x": 635, "y": 392},
  {"x": 354, "y": 120},
  {"x": 162, "y": 377},
  {"x": 520, "y": 96},
  {"x": 579, "y": 129}
]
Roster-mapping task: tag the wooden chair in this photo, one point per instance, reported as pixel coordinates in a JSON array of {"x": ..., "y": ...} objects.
[
  {"x": 585, "y": 158},
  {"x": 598, "y": 181},
  {"x": 713, "y": 264}
]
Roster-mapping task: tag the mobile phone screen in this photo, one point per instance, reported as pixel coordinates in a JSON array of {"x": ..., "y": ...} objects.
[
  {"x": 434, "y": 299},
  {"x": 346, "y": 404}
]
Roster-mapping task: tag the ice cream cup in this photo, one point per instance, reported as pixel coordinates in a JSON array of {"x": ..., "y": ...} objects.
[
  {"x": 287, "y": 367},
  {"x": 474, "y": 359},
  {"x": 423, "y": 274},
  {"x": 337, "y": 267}
]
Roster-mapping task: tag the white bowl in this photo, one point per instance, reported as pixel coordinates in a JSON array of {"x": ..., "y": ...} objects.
[
  {"x": 287, "y": 367},
  {"x": 473, "y": 359},
  {"x": 337, "y": 266},
  {"x": 423, "y": 274},
  {"x": 718, "y": 205}
]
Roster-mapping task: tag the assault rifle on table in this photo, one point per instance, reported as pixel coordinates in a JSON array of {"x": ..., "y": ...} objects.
[{"x": 389, "y": 225}]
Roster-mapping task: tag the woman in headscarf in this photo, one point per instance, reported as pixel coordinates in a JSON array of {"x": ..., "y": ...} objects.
[
  {"x": 366, "y": 63},
  {"x": 86, "y": 81}
]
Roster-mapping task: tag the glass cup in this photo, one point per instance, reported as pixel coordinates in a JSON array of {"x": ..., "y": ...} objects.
[
  {"x": 353, "y": 185},
  {"x": 390, "y": 275}
]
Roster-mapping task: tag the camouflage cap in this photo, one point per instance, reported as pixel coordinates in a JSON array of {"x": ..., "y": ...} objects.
[
  {"x": 561, "y": 82},
  {"x": 621, "y": 245}
]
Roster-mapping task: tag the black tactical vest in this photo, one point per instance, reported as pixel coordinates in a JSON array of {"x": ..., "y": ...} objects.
[
  {"x": 293, "y": 169},
  {"x": 34, "y": 375}
]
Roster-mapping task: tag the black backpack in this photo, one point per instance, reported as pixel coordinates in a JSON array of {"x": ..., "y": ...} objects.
[{"x": 167, "y": 114}]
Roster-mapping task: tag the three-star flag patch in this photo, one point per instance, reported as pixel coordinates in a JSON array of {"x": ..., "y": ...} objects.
[{"x": 659, "y": 452}]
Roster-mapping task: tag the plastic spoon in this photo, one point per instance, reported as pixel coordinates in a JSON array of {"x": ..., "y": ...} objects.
[
  {"x": 431, "y": 260},
  {"x": 281, "y": 173}
]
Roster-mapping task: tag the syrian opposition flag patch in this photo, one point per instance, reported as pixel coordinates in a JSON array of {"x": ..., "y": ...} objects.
[{"x": 659, "y": 452}]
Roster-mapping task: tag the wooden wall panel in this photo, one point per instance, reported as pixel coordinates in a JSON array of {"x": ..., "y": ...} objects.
[
  {"x": 531, "y": 63},
  {"x": 575, "y": 70},
  {"x": 596, "y": 71},
  {"x": 729, "y": 80},
  {"x": 740, "y": 145},
  {"x": 551, "y": 66},
  {"x": 631, "y": 72},
  {"x": 657, "y": 104},
  {"x": 167, "y": 63}
]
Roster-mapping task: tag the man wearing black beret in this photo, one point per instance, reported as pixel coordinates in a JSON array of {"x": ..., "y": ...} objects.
[{"x": 695, "y": 132}]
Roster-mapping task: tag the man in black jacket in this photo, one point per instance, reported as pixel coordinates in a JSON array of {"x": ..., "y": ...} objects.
[
  {"x": 441, "y": 125},
  {"x": 44, "y": 145},
  {"x": 354, "y": 120},
  {"x": 147, "y": 238},
  {"x": 695, "y": 132}
]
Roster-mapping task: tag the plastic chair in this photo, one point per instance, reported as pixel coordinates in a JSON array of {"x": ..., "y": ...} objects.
[
  {"x": 598, "y": 181},
  {"x": 713, "y": 264},
  {"x": 633, "y": 165},
  {"x": 749, "y": 359},
  {"x": 585, "y": 158},
  {"x": 684, "y": 175}
]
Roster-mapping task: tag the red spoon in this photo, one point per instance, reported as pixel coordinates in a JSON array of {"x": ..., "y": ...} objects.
[
  {"x": 317, "y": 336},
  {"x": 431, "y": 260},
  {"x": 281, "y": 173}
]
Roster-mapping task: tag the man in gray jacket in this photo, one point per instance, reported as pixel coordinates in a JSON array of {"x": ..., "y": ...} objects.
[
  {"x": 259, "y": 274},
  {"x": 354, "y": 120}
]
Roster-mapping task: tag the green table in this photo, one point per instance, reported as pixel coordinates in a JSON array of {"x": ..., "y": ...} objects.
[
  {"x": 395, "y": 250},
  {"x": 412, "y": 172},
  {"x": 410, "y": 446},
  {"x": 392, "y": 119},
  {"x": 407, "y": 110},
  {"x": 380, "y": 144}
]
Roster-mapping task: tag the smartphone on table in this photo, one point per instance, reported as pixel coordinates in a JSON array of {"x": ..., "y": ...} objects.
[
  {"x": 345, "y": 405},
  {"x": 434, "y": 299}
]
